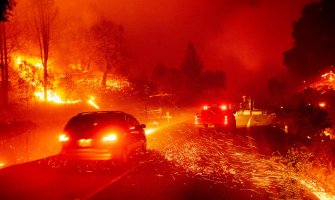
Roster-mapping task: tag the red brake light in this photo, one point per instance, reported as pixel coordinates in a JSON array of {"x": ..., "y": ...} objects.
[
  {"x": 225, "y": 119},
  {"x": 223, "y": 107},
  {"x": 205, "y": 107}
]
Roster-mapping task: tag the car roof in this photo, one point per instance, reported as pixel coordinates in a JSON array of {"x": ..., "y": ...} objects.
[
  {"x": 102, "y": 112},
  {"x": 89, "y": 122}
]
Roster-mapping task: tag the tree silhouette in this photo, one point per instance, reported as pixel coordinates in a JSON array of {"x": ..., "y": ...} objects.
[
  {"x": 188, "y": 83},
  {"x": 314, "y": 41},
  {"x": 5, "y": 7},
  {"x": 170, "y": 80},
  {"x": 192, "y": 65},
  {"x": 108, "y": 39},
  {"x": 44, "y": 14},
  {"x": 213, "y": 80}
]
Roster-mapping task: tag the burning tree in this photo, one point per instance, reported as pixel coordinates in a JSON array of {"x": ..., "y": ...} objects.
[
  {"x": 44, "y": 14},
  {"x": 108, "y": 39}
]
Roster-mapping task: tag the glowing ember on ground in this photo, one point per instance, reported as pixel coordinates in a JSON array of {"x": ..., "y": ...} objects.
[
  {"x": 317, "y": 190},
  {"x": 221, "y": 160},
  {"x": 55, "y": 98}
]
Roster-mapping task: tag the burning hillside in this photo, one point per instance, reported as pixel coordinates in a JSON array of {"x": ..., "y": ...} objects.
[
  {"x": 326, "y": 83},
  {"x": 70, "y": 87}
]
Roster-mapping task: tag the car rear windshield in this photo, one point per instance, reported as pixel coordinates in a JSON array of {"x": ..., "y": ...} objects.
[
  {"x": 88, "y": 123},
  {"x": 216, "y": 111}
]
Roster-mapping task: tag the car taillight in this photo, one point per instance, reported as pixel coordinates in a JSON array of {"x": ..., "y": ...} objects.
[
  {"x": 205, "y": 107},
  {"x": 110, "y": 137},
  {"x": 223, "y": 107},
  {"x": 225, "y": 120},
  {"x": 196, "y": 120},
  {"x": 63, "y": 138}
]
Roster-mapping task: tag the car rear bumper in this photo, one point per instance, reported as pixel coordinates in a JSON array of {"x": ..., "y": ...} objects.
[
  {"x": 89, "y": 154},
  {"x": 213, "y": 126}
]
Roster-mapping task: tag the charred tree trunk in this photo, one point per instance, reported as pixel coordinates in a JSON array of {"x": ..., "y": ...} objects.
[
  {"x": 104, "y": 80},
  {"x": 43, "y": 36},
  {"x": 44, "y": 15},
  {"x": 45, "y": 79},
  {"x": 45, "y": 40},
  {"x": 4, "y": 66},
  {"x": 104, "y": 77}
]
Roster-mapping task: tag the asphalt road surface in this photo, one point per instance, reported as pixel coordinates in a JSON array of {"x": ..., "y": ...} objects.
[{"x": 179, "y": 164}]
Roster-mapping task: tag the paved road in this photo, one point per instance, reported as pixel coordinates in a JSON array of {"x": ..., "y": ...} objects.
[{"x": 180, "y": 164}]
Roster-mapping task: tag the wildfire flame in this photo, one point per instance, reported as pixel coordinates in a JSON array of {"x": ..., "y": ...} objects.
[
  {"x": 54, "y": 97},
  {"x": 27, "y": 72},
  {"x": 92, "y": 103},
  {"x": 326, "y": 83},
  {"x": 30, "y": 72},
  {"x": 330, "y": 76}
]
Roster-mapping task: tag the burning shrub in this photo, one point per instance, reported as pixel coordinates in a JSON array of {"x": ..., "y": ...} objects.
[
  {"x": 314, "y": 170},
  {"x": 64, "y": 87}
]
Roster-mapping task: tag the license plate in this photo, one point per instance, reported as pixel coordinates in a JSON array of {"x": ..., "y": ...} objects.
[{"x": 85, "y": 142}]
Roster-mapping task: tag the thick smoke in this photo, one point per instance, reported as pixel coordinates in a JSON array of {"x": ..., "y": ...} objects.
[{"x": 245, "y": 38}]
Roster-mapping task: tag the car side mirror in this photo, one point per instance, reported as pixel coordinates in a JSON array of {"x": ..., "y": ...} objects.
[{"x": 141, "y": 126}]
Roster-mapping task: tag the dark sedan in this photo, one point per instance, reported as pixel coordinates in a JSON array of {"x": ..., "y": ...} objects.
[{"x": 103, "y": 135}]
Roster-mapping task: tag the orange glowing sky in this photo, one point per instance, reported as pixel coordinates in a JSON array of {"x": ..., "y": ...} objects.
[{"x": 241, "y": 37}]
